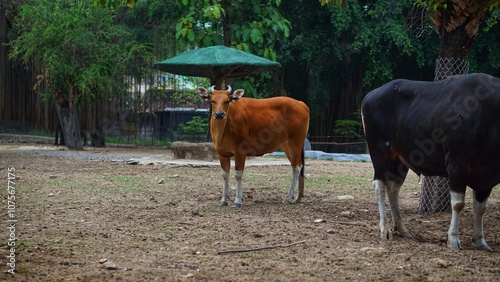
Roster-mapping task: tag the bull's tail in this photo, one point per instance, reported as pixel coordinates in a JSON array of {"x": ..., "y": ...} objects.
[{"x": 301, "y": 177}]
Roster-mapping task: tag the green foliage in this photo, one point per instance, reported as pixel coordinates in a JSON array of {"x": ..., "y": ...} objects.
[
  {"x": 382, "y": 25},
  {"x": 253, "y": 26},
  {"x": 341, "y": 3},
  {"x": 188, "y": 96},
  {"x": 250, "y": 25},
  {"x": 197, "y": 125},
  {"x": 348, "y": 128},
  {"x": 82, "y": 52},
  {"x": 431, "y": 4},
  {"x": 114, "y": 3},
  {"x": 485, "y": 53}
]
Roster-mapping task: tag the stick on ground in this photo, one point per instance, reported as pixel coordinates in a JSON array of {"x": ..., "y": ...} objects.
[{"x": 260, "y": 248}]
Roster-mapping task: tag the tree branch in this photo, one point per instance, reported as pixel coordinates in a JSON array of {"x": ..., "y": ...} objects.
[{"x": 260, "y": 248}]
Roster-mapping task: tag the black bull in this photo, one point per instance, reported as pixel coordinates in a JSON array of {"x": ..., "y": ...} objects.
[{"x": 449, "y": 128}]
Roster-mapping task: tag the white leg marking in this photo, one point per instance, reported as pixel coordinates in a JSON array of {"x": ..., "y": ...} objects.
[
  {"x": 457, "y": 205},
  {"x": 385, "y": 230},
  {"x": 238, "y": 174},
  {"x": 479, "y": 209},
  {"x": 397, "y": 219},
  {"x": 225, "y": 191},
  {"x": 295, "y": 177}
]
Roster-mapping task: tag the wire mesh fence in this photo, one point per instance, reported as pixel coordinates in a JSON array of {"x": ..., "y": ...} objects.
[{"x": 435, "y": 195}]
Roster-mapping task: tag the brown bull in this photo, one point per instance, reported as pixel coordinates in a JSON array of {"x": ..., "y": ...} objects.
[{"x": 242, "y": 127}]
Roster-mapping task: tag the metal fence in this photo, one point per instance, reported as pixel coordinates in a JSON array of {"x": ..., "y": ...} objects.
[
  {"x": 338, "y": 144},
  {"x": 435, "y": 189}
]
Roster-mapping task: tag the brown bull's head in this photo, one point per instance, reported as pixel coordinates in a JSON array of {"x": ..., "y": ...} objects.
[{"x": 220, "y": 99}]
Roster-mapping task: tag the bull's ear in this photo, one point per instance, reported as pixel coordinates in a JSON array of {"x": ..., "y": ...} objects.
[
  {"x": 237, "y": 94},
  {"x": 203, "y": 93}
]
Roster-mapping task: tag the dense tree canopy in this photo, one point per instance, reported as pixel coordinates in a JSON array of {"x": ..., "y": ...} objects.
[
  {"x": 82, "y": 53},
  {"x": 334, "y": 56},
  {"x": 331, "y": 56}
]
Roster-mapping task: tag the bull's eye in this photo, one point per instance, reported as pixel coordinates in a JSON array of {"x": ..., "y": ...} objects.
[
  {"x": 227, "y": 102},
  {"x": 213, "y": 102}
]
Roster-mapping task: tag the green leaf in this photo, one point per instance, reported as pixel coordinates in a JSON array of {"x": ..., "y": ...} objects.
[
  {"x": 190, "y": 35},
  {"x": 255, "y": 35},
  {"x": 179, "y": 25},
  {"x": 216, "y": 11},
  {"x": 207, "y": 40}
]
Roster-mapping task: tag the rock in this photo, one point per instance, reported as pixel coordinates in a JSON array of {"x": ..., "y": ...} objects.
[
  {"x": 109, "y": 265},
  {"x": 345, "y": 197},
  {"x": 196, "y": 151},
  {"x": 51, "y": 195},
  {"x": 369, "y": 249},
  {"x": 346, "y": 213},
  {"x": 161, "y": 181},
  {"x": 319, "y": 220},
  {"x": 196, "y": 211},
  {"x": 52, "y": 176},
  {"x": 440, "y": 262},
  {"x": 101, "y": 261},
  {"x": 132, "y": 162}
]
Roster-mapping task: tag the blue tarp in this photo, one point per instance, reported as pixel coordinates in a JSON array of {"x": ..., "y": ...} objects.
[{"x": 312, "y": 154}]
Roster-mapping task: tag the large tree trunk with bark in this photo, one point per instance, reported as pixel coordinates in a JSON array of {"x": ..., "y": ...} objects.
[
  {"x": 70, "y": 125},
  {"x": 457, "y": 26}
]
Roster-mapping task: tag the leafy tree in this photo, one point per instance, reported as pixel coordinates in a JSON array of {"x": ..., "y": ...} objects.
[
  {"x": 250, "y": 25},
  {"x": 457, "y": 24},
  {"x": 333, "y": 55},
  {"x": 349, "y": 128},
  {"x": 114, "y": 3},
  {"x": 196, "y": 126},
  {"x": 81, "y": 51},
  {"x": 253, "y": 26}
]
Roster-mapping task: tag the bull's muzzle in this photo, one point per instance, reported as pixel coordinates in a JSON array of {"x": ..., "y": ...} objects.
[{"x": 219, "y": 115}]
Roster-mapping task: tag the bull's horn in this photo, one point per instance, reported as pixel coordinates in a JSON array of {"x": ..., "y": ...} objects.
[
  {"x": 229, "y": 89},
  {"x": 212, "y": 89}
]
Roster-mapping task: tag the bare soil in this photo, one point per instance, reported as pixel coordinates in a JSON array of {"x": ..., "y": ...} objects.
[{"x": 77, "y": 209}]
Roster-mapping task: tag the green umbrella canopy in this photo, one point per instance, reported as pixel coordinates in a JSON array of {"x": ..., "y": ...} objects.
[{"x": 216, "y": 62}]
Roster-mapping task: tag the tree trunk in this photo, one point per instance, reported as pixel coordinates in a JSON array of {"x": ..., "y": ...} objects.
[
  {"x": 70, "y": 125},
  {"x": 98, "y": 137},
  {"x": 457, "y": 26},
  {"x": 226, "y": 23}
]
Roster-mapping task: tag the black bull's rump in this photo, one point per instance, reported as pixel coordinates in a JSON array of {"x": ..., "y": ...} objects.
[
  {"x": 449, "y": 128},
  {"x": 436, "y": 128}
]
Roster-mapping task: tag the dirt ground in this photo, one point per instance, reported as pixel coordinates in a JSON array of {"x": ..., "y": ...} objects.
[{"x": 161, "y": 222}]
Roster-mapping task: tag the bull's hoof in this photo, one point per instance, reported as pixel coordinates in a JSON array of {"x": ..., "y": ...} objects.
[
  {"x": 407, "y": 234},
  {"x": 454, "y": 244},
  {"x": 386, "y": 235},
  {"x": 223, "y": 203},
  {"x": 287, "y": 202},
  {"x": 385, "y": 232},
  {"x": 410, "y": 235},
  {"x": 236, "y": 205},
  {"x": 482, "y": 246}
]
